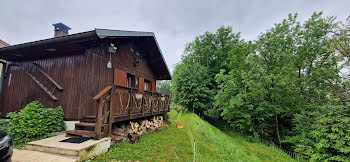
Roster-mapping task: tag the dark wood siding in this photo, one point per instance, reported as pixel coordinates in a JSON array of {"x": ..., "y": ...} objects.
[{"x": 81, "y": 75}]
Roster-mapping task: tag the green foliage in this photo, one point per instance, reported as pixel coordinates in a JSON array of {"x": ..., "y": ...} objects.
[
  {"x": 35, "y": 122},
  {"x": 326, "y": 136},
  {"x": 193, "y": 79},
  {"x": 210, "y": 49},
  {"x": 163, "y": 86},
  {"x": 191, "y": 84},
  {"x": 173, "y": 144},
  {"x": 287, "y": 87},
  {"x": 4, "y": 125}
]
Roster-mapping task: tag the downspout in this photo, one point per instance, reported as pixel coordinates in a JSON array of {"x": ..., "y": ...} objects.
[{"x": 3, "y": 72}]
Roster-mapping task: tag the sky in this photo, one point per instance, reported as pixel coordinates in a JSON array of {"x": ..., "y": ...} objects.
[{"x": 174, "y": 23}]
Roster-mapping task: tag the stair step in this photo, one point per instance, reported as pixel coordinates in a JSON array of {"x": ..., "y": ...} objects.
[
  {"x": 82, "y": 133},
  {"x": 87, "y": 124},
  {"x": 88, "y": 119}
]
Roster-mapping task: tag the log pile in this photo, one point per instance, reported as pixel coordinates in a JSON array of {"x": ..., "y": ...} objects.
[{"x": 133, "y": 130}]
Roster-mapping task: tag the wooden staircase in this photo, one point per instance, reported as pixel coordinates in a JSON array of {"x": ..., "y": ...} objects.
[
  {"x": 43, "y": 80},
  {"x": 86, "y": 128},
  {"x": 98, "y": 126}
]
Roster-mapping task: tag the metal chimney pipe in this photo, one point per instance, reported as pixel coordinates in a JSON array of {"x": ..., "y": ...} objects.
[{"x": 61, "y": 30}]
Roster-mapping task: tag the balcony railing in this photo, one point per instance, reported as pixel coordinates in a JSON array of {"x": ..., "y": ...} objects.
[{"x": 119, "y": 103}]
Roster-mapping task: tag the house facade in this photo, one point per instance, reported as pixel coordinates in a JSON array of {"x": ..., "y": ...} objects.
[{"x": 70, "y": 70}]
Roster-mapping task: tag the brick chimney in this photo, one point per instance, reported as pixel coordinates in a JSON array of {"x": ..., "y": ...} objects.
[{"x": 61, "y": 30}]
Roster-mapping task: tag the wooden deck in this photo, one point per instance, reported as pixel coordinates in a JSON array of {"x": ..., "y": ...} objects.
[{"x": 117, "y": 103}]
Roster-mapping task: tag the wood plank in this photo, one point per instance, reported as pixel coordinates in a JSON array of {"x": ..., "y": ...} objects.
[
  {"x": 131, "y": 106},
  {"x": 87, "y": 124},
  {"x": 105, "y": 112},
  {"x": 42, "y": 86},
  {"x": 111, "y": 111},
  {"x": 104, "y": 91},
  {"x": 48, "y": 77},
  {"x": 82, "y": 133},
  {"x": 98, "y": 120}
]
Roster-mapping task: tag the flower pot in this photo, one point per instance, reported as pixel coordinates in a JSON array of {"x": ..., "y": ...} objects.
[{"x": 139, "y": 96}]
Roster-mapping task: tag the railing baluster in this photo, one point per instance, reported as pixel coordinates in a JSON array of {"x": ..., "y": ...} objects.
[
  {"x": 105, "y": 112},
  {"x": 98, "y": 120}
]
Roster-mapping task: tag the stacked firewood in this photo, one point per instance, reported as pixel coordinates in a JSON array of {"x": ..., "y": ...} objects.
[{"x": 133, "y": 130}]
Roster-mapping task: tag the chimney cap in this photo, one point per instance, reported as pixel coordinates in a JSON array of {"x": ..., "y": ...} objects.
[{"x": 61, "y": 26}]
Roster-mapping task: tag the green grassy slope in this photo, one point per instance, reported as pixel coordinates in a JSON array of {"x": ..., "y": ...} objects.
[{"x": 174, "y": 144}]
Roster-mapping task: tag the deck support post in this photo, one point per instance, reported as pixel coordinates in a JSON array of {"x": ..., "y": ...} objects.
[
  {"x": 111, "y": 111},
  {"x": 160, "y": 104},
  {"x": 143, "y": 105},
  {"x": 131, "y": 104}
]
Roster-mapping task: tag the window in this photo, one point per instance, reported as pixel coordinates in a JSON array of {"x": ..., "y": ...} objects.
[
  {"x": 146, "y": 85},
  {"x": 130, "y": 80}
]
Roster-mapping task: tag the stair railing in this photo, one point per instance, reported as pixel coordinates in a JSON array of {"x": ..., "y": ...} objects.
[{"x": 104, "y": 113}]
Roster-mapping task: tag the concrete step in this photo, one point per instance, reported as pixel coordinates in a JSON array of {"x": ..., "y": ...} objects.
[{"x": 82, "y": 151}]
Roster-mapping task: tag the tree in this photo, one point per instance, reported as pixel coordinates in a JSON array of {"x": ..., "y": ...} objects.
[
  {"x": 204, "y": 56},
  {"x": 164, "y": 86},
  {"x": 190, "y": 86},
  {"x": 286, "y": 87},
  {"x": 211, "y": 49},
  {"x": 321, "y": 128}
]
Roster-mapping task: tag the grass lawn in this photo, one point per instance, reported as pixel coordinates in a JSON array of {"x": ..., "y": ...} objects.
[{"x": 174, "y": 144}]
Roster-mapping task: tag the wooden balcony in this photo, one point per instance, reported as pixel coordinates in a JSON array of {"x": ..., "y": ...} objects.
[{"x": 118, "y": 103}]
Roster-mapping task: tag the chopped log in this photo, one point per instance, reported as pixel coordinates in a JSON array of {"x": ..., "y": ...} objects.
[
  {"x": 118, "y": 130},
  {"x": 119, "y": 133},
  {"x": 134, "y": 129},
  {"x": 148, "y": 124},
  {"x": 117, "y": 139},
  {"x": 135, "y": 138},
  {"x": 123, "y": 126}
]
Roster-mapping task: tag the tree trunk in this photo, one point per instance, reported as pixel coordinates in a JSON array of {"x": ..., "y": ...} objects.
[{"x": 277, "y": 127}]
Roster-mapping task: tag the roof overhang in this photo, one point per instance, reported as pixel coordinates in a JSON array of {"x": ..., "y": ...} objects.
[{"x": 31, "y": 50}]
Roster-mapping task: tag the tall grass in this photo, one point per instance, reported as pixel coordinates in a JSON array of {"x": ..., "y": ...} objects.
[{"x": 174, "y": 144}]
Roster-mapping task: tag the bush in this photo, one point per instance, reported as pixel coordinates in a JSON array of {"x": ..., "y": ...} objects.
[
  {"x": 4, "y": 125},
  {"x": 35, "y": 122}
]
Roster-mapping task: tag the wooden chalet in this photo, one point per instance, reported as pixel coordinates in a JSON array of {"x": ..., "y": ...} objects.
[{"x": 96, "y": 76}]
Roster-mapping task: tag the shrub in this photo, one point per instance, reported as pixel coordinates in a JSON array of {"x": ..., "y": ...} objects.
[
  {"x": 35, "y": 122},
  {"x": 4, "y": 125}
]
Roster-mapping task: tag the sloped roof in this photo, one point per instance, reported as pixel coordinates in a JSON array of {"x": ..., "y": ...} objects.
[
  {"x": 35, "y": 49},
  {"x": 3, "y": 43}
]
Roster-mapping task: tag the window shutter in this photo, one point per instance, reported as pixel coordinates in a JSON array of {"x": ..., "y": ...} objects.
[
  {"x": 154, "y": 86},
  {"x": 141, "y": 84},
  {"x": 119, "y": 77}
]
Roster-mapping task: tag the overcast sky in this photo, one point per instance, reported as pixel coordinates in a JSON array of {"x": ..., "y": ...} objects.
[{"x": 175, "y": 23}]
